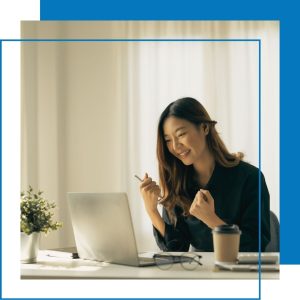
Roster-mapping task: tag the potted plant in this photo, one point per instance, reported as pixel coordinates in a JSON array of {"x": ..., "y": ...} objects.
[{"x": 36, "y": 217}]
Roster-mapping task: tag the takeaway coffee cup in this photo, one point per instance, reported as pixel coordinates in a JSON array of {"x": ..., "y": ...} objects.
[{"x": 226, "y": 240}]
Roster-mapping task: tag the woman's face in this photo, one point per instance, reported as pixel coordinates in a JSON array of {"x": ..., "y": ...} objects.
[{"x": 184, "y": 140}]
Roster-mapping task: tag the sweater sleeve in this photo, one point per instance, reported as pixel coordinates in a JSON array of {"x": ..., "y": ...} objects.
[
  {"x": 249, "y": 222},
  {"x": 176, "y": 238}
]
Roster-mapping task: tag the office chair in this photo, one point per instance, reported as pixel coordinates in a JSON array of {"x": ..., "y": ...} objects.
[{"x": 273, "y": 245}]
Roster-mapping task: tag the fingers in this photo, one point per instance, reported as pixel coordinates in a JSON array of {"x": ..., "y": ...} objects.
[
  {"x": 146, "y": 182},
  {"x": 203, "y": 207},
  {"x": 149, "y": 185},
  {"x": 206, "y": 195},
  {"x": 195, "y": 205},
  {"x": 199, "y": 198}
]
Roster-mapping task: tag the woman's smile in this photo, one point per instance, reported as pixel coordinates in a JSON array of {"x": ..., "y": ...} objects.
[{"x": 184, "y": 154}]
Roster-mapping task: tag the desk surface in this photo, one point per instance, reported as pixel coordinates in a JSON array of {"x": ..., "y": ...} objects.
[{"x": 62, "y": 268}]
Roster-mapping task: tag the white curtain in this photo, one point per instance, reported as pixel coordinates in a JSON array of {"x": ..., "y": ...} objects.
[{"x": 97, "y": 104}]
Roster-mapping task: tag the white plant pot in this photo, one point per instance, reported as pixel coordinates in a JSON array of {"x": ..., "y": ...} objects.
[{"x": 29, "y": 247}]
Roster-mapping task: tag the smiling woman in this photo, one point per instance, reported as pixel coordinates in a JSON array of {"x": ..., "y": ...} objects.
[
  {"x": 202, "y": 184},
  {"x": 89, "y": 109}
]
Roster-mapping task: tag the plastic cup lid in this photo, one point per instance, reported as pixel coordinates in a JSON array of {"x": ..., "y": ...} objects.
[{"x": 227, "y": 228}]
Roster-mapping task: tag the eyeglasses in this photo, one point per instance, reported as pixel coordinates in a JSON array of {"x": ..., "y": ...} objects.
[{"x": 189, "y": 261}]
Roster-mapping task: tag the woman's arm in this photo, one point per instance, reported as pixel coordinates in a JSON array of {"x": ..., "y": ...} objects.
[
  {"x": 176, "y": 237},
  {"x": 150, "y": 192},
  {"x": 157, "y": 222},
  {"x": 168, "y": 237}
]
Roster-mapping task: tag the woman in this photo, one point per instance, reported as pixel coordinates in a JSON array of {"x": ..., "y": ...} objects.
[{"x": 202, "y": 185}]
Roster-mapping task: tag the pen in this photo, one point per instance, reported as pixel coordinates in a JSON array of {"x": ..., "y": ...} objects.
[{"x": 137, "y": 177}]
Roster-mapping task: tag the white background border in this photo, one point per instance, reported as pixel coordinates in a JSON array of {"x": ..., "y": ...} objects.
[{"x": 11, "y": 13}]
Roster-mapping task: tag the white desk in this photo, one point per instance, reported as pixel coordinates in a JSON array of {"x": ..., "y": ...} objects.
[{"x": 62, "y": 268}]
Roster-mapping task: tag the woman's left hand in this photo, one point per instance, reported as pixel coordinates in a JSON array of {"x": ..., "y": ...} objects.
[{"x": 203, "y": 208}]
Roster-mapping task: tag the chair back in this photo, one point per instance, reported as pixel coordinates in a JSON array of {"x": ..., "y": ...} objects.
[{"x": 273, "y": 245}]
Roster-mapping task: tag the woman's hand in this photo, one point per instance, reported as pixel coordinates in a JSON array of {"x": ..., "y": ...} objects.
[
  {"x": 150, "y": 192},
  {"x": 203, "y": 208}
]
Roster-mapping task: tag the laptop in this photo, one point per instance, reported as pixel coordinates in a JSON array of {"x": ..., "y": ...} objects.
[{"x": 103, "y": 229}]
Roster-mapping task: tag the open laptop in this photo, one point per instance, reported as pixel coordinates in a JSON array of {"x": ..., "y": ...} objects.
[{"x": 103, "y": 229}]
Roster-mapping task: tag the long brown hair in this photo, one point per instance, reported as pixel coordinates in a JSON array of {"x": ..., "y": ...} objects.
[{"x": 175, "y": 178}]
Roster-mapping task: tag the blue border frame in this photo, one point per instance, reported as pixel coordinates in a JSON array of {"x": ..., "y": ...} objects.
[
  {"x": 219, "y": 10},
  {"x": 150, "y": 40},
  {"x": 157, "y": 10},
  {"x": 259, "y": 166},
  {"x": 1, "y": 167}
]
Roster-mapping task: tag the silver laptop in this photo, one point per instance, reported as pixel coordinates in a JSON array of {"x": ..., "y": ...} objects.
[{"x": 103, "y": 228}]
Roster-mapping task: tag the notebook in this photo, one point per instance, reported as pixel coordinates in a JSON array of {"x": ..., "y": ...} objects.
[{"x": 269, "y": 262}]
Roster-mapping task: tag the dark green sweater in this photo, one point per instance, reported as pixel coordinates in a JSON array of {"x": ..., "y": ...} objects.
[{"x": 235, "y": 191}]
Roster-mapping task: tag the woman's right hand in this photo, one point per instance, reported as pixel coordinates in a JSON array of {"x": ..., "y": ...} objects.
[{"x": 150, "y": 192}]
